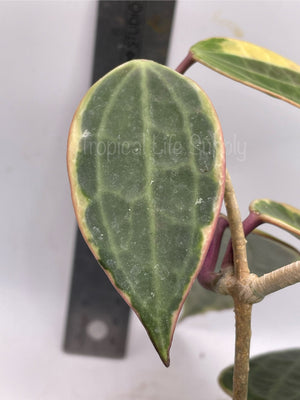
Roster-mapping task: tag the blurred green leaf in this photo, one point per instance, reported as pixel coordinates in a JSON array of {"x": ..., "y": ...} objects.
[{"x": 273, "y": 376}]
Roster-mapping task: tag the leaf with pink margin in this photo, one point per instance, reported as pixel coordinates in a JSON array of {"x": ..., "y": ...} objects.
[
  {"x": 145, "y": 191},
  {"x": 280, "y": 214}
]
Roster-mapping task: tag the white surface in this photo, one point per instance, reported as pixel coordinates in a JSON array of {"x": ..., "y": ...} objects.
[{"x": 46, "y": 58}]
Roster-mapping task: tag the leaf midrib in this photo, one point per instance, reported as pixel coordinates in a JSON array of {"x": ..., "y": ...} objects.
[
  {"x": 191, "y": 164},
  {"x": 149, "y": 194}
]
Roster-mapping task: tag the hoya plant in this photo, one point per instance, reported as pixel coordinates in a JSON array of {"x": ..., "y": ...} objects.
[{"x": 146, "y": 162}]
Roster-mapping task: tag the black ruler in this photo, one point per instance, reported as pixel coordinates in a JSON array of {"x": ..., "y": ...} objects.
[{"x": 97, "y": 318}]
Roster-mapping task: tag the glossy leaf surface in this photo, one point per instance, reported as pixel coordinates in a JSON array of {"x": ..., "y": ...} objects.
[
  {"x": 146, "y": 166},
  {"x": 273, "y": 376},
  {"x": 265, "y": 253},
  {"x": 279, "y": 214},
  {"x": 252, "y": 65}
]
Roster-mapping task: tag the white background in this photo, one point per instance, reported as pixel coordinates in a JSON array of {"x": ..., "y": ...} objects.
[{"x": 46, "y": 60}]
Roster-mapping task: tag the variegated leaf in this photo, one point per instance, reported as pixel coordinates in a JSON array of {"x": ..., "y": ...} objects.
[
  {"x": 279, "y": 214},
  {"x": 146, "y": 165},
  {"x": 252, "y": 65}
]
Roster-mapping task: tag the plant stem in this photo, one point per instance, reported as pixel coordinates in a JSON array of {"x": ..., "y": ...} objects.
[
  {"x": 255, "y": 288},
  {"x": 242, "y": 349},
  {"x": 228, "y": 256},
  {"x": 251, "y": 222},
  {"x": 241, "y": 269},
  {"x": 242, "y": 310},
  {"x": 185, "y": 64},
  {"x": 206, "y": 274},
  {"x": 246, "y": 288},
  {"x": 275, "y": 280}
]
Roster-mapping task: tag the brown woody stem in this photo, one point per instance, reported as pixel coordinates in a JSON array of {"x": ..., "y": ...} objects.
[
  {"x": 242, "y": 349},
  {"x": 242, "y": 309},
  {"x": 245, "y": 288},
  {"x": 241, "y": 269},
  {"x": 273, "y": 281}
]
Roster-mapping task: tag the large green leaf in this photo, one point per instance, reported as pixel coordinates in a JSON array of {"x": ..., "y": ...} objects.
[
  {"x": 273, "y": 376},
  {"x": 252, "y": 65},
  {"x": 265, "y": 253},
  {"x": 146, "y": 166},
  {"x": 279, "y": 214}
]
